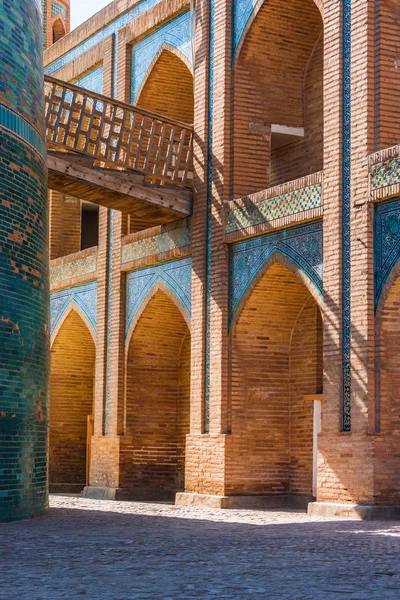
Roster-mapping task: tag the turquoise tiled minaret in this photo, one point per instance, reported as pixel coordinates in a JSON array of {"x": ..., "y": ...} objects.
[{"x": 24, "y": 329}]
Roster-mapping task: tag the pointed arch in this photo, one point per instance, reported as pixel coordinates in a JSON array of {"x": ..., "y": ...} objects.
[
  {"x": 167, "y": 87},
  {"x": 72, "y": 383},
  {"x": 58, "y": 29},
  {"x": 159, "y": 286},
  {"x": 157, "y": 398},
  {"x": 73, "y": 306},
  {"x": 259, "y": 3},
  {"x": 275, "y": 362},
  {"x": 165, "y": 47},
  {"x": 277, "y": 257}
]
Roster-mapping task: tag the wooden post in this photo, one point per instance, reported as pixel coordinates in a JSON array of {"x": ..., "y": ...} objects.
[{"x": 89, "y": 435}]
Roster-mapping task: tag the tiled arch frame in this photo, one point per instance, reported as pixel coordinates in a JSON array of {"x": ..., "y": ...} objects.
[
  {"x": 165, "y": 47},
  {"x": 76, "y": 308},
  {"x": 133, "y": 33},
  {"x": 379, "y": 307},
  {"x": 100, "y": 54},
  {"x": 244, "y": 14},
  {"x": 302, "y": 276},
  {"x": 159, "y": 286}
]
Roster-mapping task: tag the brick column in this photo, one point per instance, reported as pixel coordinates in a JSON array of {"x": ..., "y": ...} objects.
[
  {"x": 345, "y": 465},
  {"x": 205, "y": 448}
]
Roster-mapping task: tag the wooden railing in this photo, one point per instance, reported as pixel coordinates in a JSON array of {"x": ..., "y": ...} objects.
[{"x": 116, "y": 134}]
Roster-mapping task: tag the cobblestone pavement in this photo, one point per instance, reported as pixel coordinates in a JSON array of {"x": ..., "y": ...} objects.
[{"x": 124, "y": 550}]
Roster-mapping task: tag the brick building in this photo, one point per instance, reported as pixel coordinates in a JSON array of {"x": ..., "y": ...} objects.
[{"x": 248, "y": 354}]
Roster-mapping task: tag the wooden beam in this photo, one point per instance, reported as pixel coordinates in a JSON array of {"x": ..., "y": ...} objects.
[{"x": 126, "y": 191}]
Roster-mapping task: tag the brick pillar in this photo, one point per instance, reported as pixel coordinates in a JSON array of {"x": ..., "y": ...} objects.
[
  {"x": 109, "y": 417},
  {"x": 205, "y": 448},
  {"x": 345, "y": 465}
]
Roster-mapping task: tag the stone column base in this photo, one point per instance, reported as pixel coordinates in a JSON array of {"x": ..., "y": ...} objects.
[
  {"x": 66, "y": 488},
  {"x": 360, "y": 512},
  {"x": 210, "y": 501},
  {"x": 103, "y": 493}
]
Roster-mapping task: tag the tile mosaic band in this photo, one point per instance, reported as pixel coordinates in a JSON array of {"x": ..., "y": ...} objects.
[
  {"x": 13, "y": 122},
  {"x": 346, "y": 166}
]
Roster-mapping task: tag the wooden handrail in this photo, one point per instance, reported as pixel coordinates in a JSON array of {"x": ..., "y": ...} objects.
[{"x": 116, "y": 134}]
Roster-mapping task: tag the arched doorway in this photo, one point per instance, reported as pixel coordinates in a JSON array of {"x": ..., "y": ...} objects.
[
  {"x": 71, "y": 402},
  {"x": 276, "y": 367},
  {"x": 278, "y": 96},
  {"x": 387, "y": 438},
  {"x": 58, "y": 30},
  {"x": 157, "y": 402}
]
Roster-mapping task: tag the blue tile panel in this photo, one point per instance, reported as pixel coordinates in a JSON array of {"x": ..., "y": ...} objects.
[
  {"x": 385, "y": 173},
  {"x": 21, "y": 71},
  {"x": 386, "y": 242},
  {"x": 270, "y": 209},
  {"x": 58, "y": 9},
  {"x": 24, "y": 285},
  {"x": 109, "y": 320},
  {"x": 44, "y": 19},
  {"x": 81, "y": 266},
  {"x": 241, "y": 13},
  {"x": 207, "y": 340},
  {"x": 176, "y": 33},
  {"x": 346, "y": 249},
  {"x": 83, "y": 296},
  {"x": 99, "y": 36},
  {"x": 302, "y": 245},
  {"x": 176, "y": 274},
  {"x": 92, "y": 81},
  {"x": 157, "y": 244}
]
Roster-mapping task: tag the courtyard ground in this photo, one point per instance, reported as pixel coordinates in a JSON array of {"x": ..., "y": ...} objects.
[{"x": 124, "y": 550}]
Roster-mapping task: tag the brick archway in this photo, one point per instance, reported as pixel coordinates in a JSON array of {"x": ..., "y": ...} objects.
[
  {"x": 168, "y": 88},
  {"x": 157, "y": 402},
  {"x": 278, "y": 81},
  {"x": 387, "y": 436},
  {"x": 276, "y": 363},
  {"x": 71, "y": 401}
]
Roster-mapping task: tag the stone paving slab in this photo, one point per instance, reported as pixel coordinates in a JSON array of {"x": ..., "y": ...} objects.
[{"x": 125, "y": 550}]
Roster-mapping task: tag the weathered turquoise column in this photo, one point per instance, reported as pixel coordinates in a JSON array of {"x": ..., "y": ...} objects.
[{"x": 24, "y": 293}]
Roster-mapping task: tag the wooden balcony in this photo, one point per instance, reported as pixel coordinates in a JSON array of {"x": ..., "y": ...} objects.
[{"x": 116, "y": 155}]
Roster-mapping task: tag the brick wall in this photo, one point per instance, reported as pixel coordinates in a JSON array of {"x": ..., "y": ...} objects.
[
  {"x": 65, "y": 224},
  {"x": 387, "y": 73},
  {"x": 278, "y": 80},
  {"x": 71, "y": 400},
  {"x": 157, "y": 401},
  {"x": 277, "y": 350}
]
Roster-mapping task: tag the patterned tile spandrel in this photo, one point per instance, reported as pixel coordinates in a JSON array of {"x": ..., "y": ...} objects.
[
  {"x": 253, "y": 212},
  {"x": 75, "y": 268},
  {"x": 157, "y": 244},
  {"x": 385, "y": 173}
]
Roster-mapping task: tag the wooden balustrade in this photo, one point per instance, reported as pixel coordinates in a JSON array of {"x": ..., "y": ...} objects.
[{"x": 117, "y": 135}]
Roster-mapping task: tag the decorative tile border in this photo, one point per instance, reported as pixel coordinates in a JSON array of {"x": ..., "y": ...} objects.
[
  {"x": 62, "y": 270},
  {"x": 162, "y": 242},
  {"x": 110, "y": 29},
  {"x": 384, "y": 173},
  {"x": 176, "y": 33},
  {"x": 302, "y": 245},
  {"x": 176, "y": 275},
  {"x": 84, "y": 296},
  {"x": 13, "y": 122},
  {"x": 386, "y": 243},
  {"x": 346, "y": 202},
  {"x": 275, "y": 207}
]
